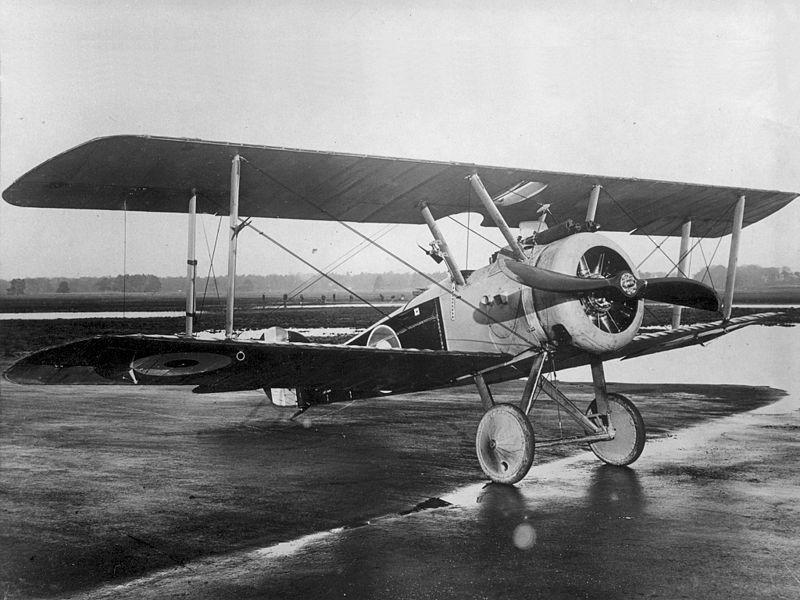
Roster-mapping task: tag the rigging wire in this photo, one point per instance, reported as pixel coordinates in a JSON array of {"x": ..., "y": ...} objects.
[
  {"x": 350, "y": 254},
  {"x": 719, "y": 242},
  {"x": 656, "y": 248},
  {"x": 483, "y": 237},
  {"x": 675, "y": 266},
  {"x": 676, "y": 269},
  {"x": 708, "y": 230},
  {"x": 380, "y": 247},
  {"x": 708, "y": 261},
  {"x": 248, "y": 223},
  {"x": 700, "y": 238},
  {"x": 347, "y": 256},
  {"x": 211, "y": 254},
  {"x": 308, "y": 264},
  {"x": 349, "y": 227},
  {"x": 637, "y": 226}
]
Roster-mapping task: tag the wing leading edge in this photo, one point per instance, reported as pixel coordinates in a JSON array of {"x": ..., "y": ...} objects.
[{"x": 158, "y": 174}]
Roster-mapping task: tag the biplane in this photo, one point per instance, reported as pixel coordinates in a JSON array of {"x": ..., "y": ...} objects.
[{"x": 559, "y": 294}]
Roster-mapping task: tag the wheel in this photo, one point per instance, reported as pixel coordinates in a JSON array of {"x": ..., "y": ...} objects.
[
  {"x": 505, "y": 444},
  {"x": 629, "y": 431}
]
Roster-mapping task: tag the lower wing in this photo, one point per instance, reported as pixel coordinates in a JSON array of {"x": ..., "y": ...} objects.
[
  {"x": 233, "y": 365},
  {"x": 688, "y": 335},
  {"x": 357, "y": 371}
]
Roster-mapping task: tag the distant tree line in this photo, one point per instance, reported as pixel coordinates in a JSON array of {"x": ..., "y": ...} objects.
[
  {"x": 129, "y": 283},
  {"x": 747, "y": 277},
  {"x": 65, "y": 285},
  {"x": 750, "y": 277},
  {"x": 270, "y": 285}
]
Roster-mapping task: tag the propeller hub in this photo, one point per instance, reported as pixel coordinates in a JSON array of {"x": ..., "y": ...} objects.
[{"x": 628, "y": 284}]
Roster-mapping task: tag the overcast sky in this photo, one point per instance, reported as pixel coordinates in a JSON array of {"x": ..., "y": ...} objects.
[{"x": 697, "y": 91}]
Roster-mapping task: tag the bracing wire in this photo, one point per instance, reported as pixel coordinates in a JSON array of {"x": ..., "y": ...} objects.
[
  {"x": 675, "y": 266},
  {"x": 637, "y": 226},
  {"x": 308, "y": 264},
  {"x": 700, "y": 238},
  {"x": 380, "y": 247},
  {"x": 346, "y": 225},
  {"x": 248, "y": 223},
  {"x": 350, "y": 254},
  {"x": 347, "y": 256},
  {"x": 708, "y": 262},
  {"x": 211, "y": 255},
  {"x": 655, "y": 249},
  {"x": 716, "y": 248},
  {"x": 649, "y": 237},
  {"x": 470, "y": 230}
]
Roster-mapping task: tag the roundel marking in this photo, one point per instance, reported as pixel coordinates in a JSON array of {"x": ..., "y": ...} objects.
[{"x": 180, "y": 363}]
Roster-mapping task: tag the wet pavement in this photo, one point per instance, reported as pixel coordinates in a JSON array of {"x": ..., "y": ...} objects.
[
  {"x": 697, "y": 518},
  {"x": 109, "y": 493}
]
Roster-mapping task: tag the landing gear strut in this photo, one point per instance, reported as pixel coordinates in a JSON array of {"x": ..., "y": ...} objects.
[{"x": 505, "y": 442}]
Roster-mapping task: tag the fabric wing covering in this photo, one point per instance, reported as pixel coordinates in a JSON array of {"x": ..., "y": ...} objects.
[
  {"x": 232, "y": 365},
  {"x": 143, "y": 173},
  {"x": 226, "y": 365}
]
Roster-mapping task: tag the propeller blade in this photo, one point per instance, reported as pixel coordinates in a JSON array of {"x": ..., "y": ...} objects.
[
  {"x": 670, "y": 290},
  {"x": 681, "y": 291},
  {"x": 550, "y": 281}
]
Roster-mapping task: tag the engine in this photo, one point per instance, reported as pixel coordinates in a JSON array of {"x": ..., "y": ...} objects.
[{"x": 599, "y": 321}]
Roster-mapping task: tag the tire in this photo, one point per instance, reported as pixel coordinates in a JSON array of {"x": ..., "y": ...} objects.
[
  {"x": 505, "y": 444},
  {"x": 629, "y": 429}
]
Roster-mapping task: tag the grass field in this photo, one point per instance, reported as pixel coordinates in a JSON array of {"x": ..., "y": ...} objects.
[
  {"x": 175, "y": 302},
  {"x": 164, "y": 302}
]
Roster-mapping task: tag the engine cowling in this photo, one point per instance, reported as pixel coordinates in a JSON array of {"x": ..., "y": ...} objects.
[{"x": 596, "y": 322}]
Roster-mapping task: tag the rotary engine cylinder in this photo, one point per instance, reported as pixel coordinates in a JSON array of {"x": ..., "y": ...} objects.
[{"x": 598, "y": 322}]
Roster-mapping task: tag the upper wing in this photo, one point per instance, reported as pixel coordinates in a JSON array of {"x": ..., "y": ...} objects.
[
  {"x": 158, "y": 174},
  {"x": 227, "y": 365}
]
